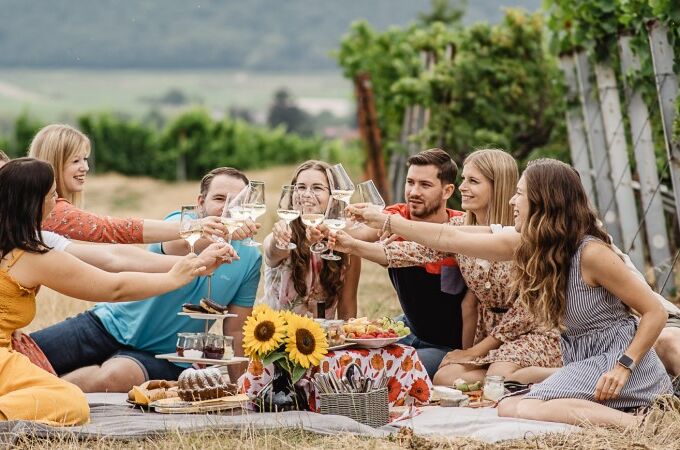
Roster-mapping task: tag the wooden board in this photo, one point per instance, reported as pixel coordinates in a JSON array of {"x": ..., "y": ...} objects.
[
  {"x": 179, "y": 406},
  {"x": 174, "y": 357}
]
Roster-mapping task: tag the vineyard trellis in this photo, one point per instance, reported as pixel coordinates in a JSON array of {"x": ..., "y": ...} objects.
[{"x": 620, "y": 82}]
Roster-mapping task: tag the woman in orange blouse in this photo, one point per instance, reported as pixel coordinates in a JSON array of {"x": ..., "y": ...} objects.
[{"x": 67, "y": 149}]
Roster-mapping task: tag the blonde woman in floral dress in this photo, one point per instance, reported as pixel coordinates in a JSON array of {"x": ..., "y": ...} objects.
[{"x": 504, "y": 340}]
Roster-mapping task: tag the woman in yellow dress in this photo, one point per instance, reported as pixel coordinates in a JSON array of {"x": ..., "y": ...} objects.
[{"x": 27, "y": 195}]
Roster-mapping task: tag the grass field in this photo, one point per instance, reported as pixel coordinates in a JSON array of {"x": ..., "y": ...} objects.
[
  {"x": 57, "y": 94},
  {"x": 120, "y": 196}
]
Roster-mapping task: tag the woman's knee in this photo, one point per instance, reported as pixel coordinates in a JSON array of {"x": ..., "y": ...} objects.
[
  {"x": 508, "y": 407},
  {"x": 446, "y": 375}
]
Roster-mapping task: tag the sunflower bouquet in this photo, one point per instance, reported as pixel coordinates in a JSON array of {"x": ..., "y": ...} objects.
[{"x": 291, "y": 342}]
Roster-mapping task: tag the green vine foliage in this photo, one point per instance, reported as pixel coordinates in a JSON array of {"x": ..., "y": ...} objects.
[
  {"x": 501, "y": 89},
  {"x": 134, "y": 148}
]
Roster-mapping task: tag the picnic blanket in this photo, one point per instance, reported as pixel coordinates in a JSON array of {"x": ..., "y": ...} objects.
[{"x": 111, "y": 417}]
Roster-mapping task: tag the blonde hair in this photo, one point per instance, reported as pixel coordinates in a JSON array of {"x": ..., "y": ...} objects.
[
  {"x": 501, "y": 169},
  {"x": 56, "y": 144}
]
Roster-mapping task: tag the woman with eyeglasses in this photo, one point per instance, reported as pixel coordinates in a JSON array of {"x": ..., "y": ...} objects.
[{"x": 301, "y": 280}]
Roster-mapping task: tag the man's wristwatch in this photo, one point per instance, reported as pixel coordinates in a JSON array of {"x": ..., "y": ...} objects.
[{"x": 627, "y": 362}]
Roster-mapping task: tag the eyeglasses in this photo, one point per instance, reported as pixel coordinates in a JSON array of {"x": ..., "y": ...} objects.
[{"x": 317, "y": 189}]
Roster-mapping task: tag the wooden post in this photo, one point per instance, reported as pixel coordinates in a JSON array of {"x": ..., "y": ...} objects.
[
  {"x": 667, "y": 89},
  {"x": 370, "y": 133},
  {"x": 643, "y": 149},
  {"x": 578, "y": 145},
  {"x": 416, "y": 118},
  {"x": 599, "y": 157},
  {"x": 617, "y": 147}
]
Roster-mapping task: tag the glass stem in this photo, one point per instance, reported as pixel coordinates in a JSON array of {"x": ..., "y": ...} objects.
[{"x": 210, "y": 287}]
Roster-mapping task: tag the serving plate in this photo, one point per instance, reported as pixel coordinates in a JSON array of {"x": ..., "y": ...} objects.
[
  {"x": 174, "y": 357},
  {"x": 341, "y": 346},
  {"x": 208, "y": 316},
  {"x": 373, "y": 343}
]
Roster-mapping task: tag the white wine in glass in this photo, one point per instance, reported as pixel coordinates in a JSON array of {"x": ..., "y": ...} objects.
[
  {"x": 312, "y": 220},
  {"x": 190, "y": 228},
  {"x": 287, "y": 211},
  {"x": 255, "y": 204},
  {"x": 340, "y": 183},
  {"x": 335, "y": 220},
  {"x": 370, "y": 194}
]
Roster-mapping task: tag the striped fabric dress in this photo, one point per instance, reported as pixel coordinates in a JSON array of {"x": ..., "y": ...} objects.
[{"x": 599, "y": 329}]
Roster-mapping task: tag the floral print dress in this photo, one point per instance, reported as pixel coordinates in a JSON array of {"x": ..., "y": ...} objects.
[
  {"x": 280, "y": 293},
  {"x": 499, "y": 314}
]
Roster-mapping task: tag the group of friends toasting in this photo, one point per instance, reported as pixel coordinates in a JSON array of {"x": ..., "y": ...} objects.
[{"x": 524, "y": 282}]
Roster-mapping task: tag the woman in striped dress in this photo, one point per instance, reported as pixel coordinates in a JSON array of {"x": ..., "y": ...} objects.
[{"x": 569, "y": 278}]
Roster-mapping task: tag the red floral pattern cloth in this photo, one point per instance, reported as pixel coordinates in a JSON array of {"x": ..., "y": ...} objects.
[
  {"x": 74, "y": 223},
  {"x": 408, "y": 383}
]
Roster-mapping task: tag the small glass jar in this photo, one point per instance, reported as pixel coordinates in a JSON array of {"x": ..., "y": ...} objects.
[
  {"x": 213, "y": 347},
  {"x": 193, "y": 347},
  {"x": 335, "y": 332},
  {"x": 181, "y": 343},
  {"x": 493, "y": 387},
  {"x": 228, "y": 347}
]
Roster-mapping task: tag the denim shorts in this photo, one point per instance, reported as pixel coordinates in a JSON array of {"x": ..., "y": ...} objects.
[{"x": 83, "y": 341}]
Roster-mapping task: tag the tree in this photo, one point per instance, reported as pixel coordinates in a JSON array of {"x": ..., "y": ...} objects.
[
  {"x": 445, "y": 12},
  {"x": 284, "y": 111}
]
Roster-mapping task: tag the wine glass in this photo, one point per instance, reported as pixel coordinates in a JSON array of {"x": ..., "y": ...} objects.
[
  {"x": 232, "y": 218},
  {"x": 340, "y": 183},
  {"x": 335, "y": 220},
  {"x": 190, "y": 228},
  {"x": 370, "y": 194},
  {"x": 311, "y": 213},
  {"x": 255, "y": 205},
  {"x": 342, "y": 187},
  {"x": 287, "y": 211}
]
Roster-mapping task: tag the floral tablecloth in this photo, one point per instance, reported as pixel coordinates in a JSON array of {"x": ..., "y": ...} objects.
[{"x": 408, "y": 383}]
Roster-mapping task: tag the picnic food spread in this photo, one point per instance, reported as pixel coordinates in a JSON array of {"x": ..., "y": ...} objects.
[
  {"x": 202, "y": 384},
  {"x": 152, "y": 390},
  {"x": 363, "y": 328}
]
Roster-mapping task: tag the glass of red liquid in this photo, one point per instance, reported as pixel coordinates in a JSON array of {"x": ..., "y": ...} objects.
[
  {"x": 181, "y": 343},
  {"x": 214, "y": 346}
]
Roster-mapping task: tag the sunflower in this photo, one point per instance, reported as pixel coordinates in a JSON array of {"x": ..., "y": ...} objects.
[
  {"x": 263, "y": 333},
  {"x": 307, "y": 342},
  {"x": 259, "y": 309}
]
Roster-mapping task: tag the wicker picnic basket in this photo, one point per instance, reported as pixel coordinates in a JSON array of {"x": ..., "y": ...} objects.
[{"x": 368, "y": 408}]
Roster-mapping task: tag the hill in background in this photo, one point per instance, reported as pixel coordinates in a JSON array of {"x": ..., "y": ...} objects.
[{"x": 273, "y": 35}]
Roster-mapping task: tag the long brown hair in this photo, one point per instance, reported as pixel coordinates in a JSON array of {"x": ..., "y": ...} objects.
[
  {"x": 501, "y": 169},
  {"x": 558, "y": 219},
  {"x": 300, "y": 257},
  {"x": 56, "y": 144}
]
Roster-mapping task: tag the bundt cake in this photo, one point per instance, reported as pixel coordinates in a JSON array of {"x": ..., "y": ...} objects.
[{"x": 201, "y": 384}]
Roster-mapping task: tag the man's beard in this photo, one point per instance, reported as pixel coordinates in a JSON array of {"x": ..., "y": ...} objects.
[{"x": 429, "y": 209}]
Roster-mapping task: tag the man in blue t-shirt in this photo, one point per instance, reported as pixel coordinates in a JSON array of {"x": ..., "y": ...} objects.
[{"x": 112, "y": 347}]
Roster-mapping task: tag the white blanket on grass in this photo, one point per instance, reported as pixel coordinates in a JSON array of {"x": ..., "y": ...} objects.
[{"x": 111, "y": 417}]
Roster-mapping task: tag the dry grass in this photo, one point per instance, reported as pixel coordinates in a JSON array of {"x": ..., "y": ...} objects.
[{"x": 117, "y": 195}]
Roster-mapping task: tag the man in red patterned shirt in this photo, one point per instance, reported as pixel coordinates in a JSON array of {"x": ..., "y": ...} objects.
[{"x": 431, "y": 295}]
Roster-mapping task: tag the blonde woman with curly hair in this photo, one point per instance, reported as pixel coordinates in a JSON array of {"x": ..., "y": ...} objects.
[
  {"x": 570, "y": 278},
  {"x": 68, "y": 150},
  {"x": 299, "y": 279}
]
